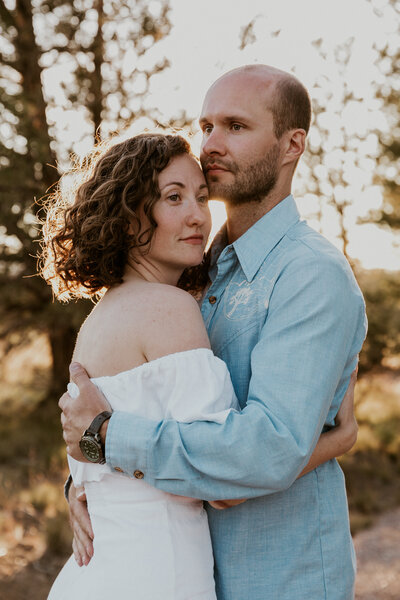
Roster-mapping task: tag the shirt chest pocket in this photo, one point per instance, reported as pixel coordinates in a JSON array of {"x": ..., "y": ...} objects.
[
  {"x": 241, "y": 313},
  {"x": 244, "y": 300}
]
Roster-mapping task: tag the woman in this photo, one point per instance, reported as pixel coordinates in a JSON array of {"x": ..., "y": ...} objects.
[{"x": 137, "y": 223}]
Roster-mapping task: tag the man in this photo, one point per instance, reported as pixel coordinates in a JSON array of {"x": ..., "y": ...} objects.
[{"x": 285, "y": 313}]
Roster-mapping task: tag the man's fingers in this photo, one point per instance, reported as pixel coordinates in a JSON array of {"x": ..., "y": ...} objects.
[
  {"x": 78, "y": 374},
  {"x": 63, "y": 401}
]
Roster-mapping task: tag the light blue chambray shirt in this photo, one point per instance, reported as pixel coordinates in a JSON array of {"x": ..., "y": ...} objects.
[{"x": 289, "y": 321}]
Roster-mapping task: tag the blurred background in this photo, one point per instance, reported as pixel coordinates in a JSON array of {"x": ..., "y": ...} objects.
[{"x": 74, "y": 69}]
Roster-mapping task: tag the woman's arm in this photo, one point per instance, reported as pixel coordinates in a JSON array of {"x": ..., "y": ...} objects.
[
  {"x": 331, "y": 444},
  {"x": 342, "y": 438}
]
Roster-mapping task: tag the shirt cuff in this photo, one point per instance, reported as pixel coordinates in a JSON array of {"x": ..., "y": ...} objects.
[{"x": 127, "y": 442}]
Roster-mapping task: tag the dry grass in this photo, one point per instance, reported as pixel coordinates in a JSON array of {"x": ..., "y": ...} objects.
[
  {"x": 34, "y": 531},
  {"x": 372, "y": 468}
]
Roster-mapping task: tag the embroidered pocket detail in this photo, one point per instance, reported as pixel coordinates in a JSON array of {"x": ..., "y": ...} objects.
[{"x": 244, "y": 299}]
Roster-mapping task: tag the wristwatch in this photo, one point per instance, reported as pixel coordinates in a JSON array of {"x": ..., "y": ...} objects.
[{"x": 90, "y": 443}]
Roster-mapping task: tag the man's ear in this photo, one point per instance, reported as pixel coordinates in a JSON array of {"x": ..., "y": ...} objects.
[{"x": 295, "y": 145}]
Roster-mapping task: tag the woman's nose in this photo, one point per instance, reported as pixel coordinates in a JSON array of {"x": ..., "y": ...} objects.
[{"x": 195, "y": 214}]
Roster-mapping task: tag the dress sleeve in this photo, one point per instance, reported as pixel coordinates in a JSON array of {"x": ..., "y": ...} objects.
[{"x": 197, "y": 385}]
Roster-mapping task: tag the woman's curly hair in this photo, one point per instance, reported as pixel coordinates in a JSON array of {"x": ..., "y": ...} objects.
[{"x": 92, "y": 224}]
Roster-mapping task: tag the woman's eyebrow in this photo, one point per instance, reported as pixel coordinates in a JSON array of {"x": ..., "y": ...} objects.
[
  {"x": 178, "y": 183},
  {"x": 182, "y": 185}
]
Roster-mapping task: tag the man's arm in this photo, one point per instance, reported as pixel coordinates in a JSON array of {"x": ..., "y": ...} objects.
[
  {"x": 306, "y": 352},
  {"x": 333, "y": 443}
]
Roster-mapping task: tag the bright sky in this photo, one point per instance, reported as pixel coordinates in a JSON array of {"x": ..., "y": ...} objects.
[{"x": 204, "y": 43}]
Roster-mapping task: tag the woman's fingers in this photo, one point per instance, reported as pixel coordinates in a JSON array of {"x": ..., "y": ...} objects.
[
  {"x": 77, "y": 555},
  {"x": 81, "y": 525},
  {"x": 222, "y": 504}
]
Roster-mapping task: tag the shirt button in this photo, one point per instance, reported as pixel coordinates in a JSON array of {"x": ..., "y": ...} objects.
[
  {"x": 118, "y": 469},
  {"x": 212, "y": 299},
  {"x": 138, "y": 474}
]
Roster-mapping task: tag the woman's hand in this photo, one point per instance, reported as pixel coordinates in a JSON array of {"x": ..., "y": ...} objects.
[
  {"x": 345, "y": 419},
  {"x": 82, "y": 544},
  {"x": 221, "y": 504},
  {"x": 342, "y": 437}
]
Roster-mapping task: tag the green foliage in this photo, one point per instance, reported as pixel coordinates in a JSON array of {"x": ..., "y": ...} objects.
[
  {"x": 388, "y": 167},
  {"x": 381, "y": 290},
  {"x": 372, "y": 468},
  {"x": 94, "y": 37}
]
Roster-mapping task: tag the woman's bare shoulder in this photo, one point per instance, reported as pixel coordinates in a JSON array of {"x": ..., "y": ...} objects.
[
  {"x": 166, "y": 297},
  {"x": 140, "y": 323},
  {"x": 173, "y": 322}
]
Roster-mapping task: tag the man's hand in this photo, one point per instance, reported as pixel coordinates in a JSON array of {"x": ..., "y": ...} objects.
[
  {"x": 78, "y": 413},
  {"x": 82, "y": 544}
]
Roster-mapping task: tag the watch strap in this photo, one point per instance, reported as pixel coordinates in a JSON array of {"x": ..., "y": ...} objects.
[{"x": 98, "y": 421}]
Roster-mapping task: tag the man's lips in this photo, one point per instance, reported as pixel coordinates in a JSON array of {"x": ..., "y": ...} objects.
[{"x": 215, "y": 167}]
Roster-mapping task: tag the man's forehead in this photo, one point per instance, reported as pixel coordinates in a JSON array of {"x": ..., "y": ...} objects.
[
  {"x": 237, "y": 95},
  {"x": 258, "y": 81}
]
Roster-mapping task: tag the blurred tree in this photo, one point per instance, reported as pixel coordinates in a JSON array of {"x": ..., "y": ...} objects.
[
  {"x": 332, "y": 161},
  {"x": 388, "y": 168},
  {"x": 99, "y": 45},
  {"x": 336, "y": 164},
  {"x": 381, "y": 291}
]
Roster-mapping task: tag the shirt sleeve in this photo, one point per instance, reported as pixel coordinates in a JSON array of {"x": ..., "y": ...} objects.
[{"x": 307, "y": 348}]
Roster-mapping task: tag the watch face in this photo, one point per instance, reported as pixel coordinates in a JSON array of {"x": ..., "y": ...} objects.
[{"x": 90, "y": 449}]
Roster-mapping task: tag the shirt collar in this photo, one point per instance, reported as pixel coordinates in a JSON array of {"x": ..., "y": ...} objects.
[{"x": 257, "y": 242}]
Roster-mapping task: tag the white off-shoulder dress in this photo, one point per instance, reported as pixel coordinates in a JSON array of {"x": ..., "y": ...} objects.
[{"x": 148, "y": 544}]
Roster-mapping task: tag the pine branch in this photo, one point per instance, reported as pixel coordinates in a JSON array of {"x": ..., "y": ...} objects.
[{"x": 6, "y": 16}]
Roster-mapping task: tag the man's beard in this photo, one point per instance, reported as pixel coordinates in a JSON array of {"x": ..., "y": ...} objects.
[{"x": 253, "y": 182}]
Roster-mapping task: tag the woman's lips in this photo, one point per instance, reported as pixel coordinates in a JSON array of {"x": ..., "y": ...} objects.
[{"x": 196, "y": 240}]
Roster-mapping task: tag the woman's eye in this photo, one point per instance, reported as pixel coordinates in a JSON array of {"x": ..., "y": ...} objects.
[
  {"x": 174, "y": 197},
  {"x": 202, "y": 199}
]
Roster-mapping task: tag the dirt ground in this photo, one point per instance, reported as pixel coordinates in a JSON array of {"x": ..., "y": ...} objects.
[
  {"x": 26, "y": 573},
  {"x": 378, "y": 558}
]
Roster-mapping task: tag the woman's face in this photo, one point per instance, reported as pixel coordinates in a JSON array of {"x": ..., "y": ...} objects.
[{"x": 182, "y": 216}]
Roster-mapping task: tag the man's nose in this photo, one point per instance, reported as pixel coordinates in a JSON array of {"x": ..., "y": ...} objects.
[{"x": 214, "y": 143}]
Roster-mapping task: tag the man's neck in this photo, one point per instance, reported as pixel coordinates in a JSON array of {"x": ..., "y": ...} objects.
[{"x": 243, "y": 216}]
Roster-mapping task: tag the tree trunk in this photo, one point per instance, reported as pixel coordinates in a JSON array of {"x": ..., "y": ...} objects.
[
  {"x": 62, "y": 342},
  {"x": 95, "y": 104}
]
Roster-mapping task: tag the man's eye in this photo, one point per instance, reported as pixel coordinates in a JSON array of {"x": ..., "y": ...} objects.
[
  {"x": 236, "y": 126},
  {"x": 207, "y": 129}
]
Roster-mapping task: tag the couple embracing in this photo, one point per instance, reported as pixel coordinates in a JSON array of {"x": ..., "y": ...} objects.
[{"x": 205, "y": 439}]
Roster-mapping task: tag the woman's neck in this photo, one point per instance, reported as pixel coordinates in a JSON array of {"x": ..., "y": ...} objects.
[{"x": 145, "y": 270}]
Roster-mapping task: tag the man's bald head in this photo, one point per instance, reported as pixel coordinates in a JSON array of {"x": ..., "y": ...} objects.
[{"x": 285, "y": 96}]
